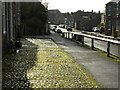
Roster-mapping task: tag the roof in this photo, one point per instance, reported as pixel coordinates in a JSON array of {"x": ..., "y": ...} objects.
[
  {"x": 111, "y": 3},
  {"x": 115, "y": 1}
]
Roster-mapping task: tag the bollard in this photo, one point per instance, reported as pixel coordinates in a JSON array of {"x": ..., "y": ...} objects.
[
  {"x": 65, "y": 35},
  {"x": 68, "y": 35},
  {"x": 62, "y": 34},
  {"x": 76, "y": 38},
  {"x": 80, "y": 38},
  {"x": 72, "y": 36}
]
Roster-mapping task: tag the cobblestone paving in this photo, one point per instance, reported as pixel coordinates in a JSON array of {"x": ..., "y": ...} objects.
[{"x": 42, "y": 64}]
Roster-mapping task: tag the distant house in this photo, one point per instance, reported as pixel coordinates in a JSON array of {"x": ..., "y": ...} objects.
[
  {"x": 69, "y": 19},
  {"x": 113, "y": 18},
  {"x": 10, "y": 24},
  {"x": 85, "y": 21},
  {"x": 55, "y": 17},
  {"x": 110, "y": 17}
]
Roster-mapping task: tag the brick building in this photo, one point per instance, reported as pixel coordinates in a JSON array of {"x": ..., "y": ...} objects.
[
  {"x": 69, "y": 19},
  {"x": 119, "y": 18},
  {"x": 10, "y": 24},
  {"x": 34, "y": 18},
  {"x": 113, "y": 18},
  {"x": 55, "y": 17},
  {"x": 85, "y": 21},
  {"x": 110, "y": 18}
]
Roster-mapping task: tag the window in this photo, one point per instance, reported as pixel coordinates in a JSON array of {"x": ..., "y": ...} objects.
[
  {"x": 109, "y": 10},
  {"x": 109, "y": 25},
  {"x": 117, "y": 24},
  {"x": 117, "y": 11}
]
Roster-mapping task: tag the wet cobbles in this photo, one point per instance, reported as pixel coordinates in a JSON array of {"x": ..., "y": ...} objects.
[{"x": 43, "y": 64}]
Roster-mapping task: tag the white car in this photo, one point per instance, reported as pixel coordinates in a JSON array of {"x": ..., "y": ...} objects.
[
  {"x": 96, "y": 29},
  {"x": 58, "y": 30}
]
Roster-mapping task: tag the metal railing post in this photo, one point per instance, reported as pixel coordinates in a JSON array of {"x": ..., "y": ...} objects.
[
  {"x": 80, "y": 37},
  {"x": 71, "y": 36},
  {"x": 108, "y": 49},
  {"x": 82, "y": 40},
  {"x": 68, "y": 35},
  {"x": 75, "y": 36},
  {"x": 92, "y": 43},
  {"x": 65, "y": 35},
  {"x": 62, "y": 34}
]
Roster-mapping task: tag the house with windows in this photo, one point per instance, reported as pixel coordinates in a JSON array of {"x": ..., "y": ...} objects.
[
  {"x": 118, "y": 16},
  {"x": 69, "y": 19},
  {"x": 113, "y": 18},
  {"x": 85, "y": 21},
  {"x": 55, "y": 17}
]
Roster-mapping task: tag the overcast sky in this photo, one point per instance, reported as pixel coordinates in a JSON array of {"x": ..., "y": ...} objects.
[{"x": 75, "y": 5}]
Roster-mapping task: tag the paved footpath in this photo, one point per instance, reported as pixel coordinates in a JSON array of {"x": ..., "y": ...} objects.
[{"x": 102, "y": 68}]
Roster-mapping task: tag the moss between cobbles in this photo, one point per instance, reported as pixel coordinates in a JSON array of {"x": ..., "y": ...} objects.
[
  {"x": 58, "y": 68},
  {"x": 51, "y": 67}
]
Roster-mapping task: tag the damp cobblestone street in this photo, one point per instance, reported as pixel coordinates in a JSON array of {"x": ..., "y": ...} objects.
[{"x": 41, "y": 63}]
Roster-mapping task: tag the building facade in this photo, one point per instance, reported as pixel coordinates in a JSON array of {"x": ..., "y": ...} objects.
[
  {"x": 110, "y": 18},
  {"x": 113, "y": 19},
  {"x": 118, "y": 19},
  {"x": 69, "y": 20},
  {"x": 85, "y": 21},
  {"x": 10, "y": 24},
  {"x": 34, "y": 22},
  {"x": 55, "y": 17}
]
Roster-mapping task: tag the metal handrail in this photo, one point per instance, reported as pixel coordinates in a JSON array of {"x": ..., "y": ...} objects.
[{"x": 75, "y": 36}]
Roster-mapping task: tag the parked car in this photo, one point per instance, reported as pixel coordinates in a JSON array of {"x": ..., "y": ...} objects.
[
  {"x": 69, "y": 29},
  {"x": 59, "y": 31},
  {"x": 53, "y": 29},
  {"x": 96, "y": 29}
]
